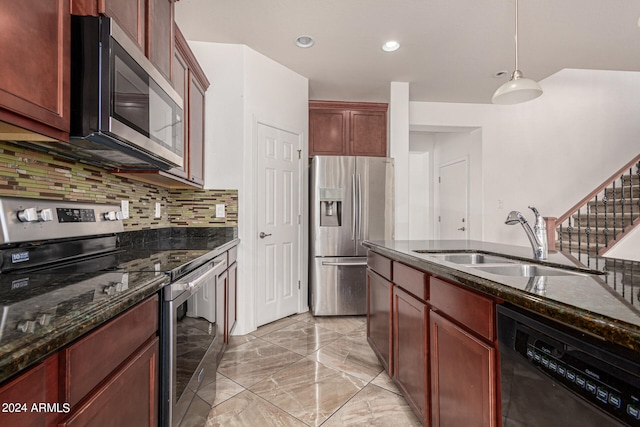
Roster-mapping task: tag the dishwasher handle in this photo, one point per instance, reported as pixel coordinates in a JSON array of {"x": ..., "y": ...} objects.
[{"x": 345, "y": 264}]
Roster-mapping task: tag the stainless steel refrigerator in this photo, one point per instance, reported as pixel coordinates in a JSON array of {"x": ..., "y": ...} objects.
[{"x": 351, "y": 200}]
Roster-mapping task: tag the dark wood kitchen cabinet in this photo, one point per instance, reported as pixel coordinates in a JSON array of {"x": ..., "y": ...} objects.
[
  {"x": 37, "y": 385},
  {"x": 463, "y": 357},
  {"x": 379, "y": 330},
  {"x": 35, "y": 42},
  {"x": 410, "y": 337},
  {"x": 149, "y": 23},
  {"x": 347, "y": 128},
  {"x": 231, "y": 293},
  {"x": 107, "y": 377},
  {"x": 410, "y": 350},
  {"x": 379, "y": 308}
]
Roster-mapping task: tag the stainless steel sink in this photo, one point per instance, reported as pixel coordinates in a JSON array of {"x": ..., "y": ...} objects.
[
  {"x": 526, "y": 270},
  {"x": 472, "y": 258}
]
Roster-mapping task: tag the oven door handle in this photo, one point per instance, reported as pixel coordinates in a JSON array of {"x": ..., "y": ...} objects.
[{"x": 195, "y": 284}]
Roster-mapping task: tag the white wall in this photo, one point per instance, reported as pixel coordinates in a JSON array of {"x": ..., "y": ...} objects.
[
  {"x": 548, "y": 152},
  {"x": 248, "y": 88}
]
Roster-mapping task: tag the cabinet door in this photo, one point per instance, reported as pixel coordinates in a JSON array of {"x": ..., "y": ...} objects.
[
  {"x": 127, "y": 398},
  {"x": 328, "y": 132},
  {"x": 379, "y": 303},
  {"x": 35, "y": 42},
  {"x": 230, "y": 319},
  {"x": 222, "y": 284},
  {"x": 410, "y": 350},
  {"x": 463, "y": 376},
  {"x": 196, "y": 130},
  {"x": 368, "y": 133},
  {"x": 180, "y": 80},
  {"x": 38, "y": 385},
  {"x": 131, "y": 16},
  {"x": 160, "y": 41}
]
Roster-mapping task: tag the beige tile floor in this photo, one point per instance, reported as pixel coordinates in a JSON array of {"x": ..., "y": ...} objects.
[{"x": 305, "y": 371}]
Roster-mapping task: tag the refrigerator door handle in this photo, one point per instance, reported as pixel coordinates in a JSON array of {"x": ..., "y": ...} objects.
[
  {"x": 359, "y": 208},
  {"x": 354, "y": 217},
  {"x": 347, "y": 264}
]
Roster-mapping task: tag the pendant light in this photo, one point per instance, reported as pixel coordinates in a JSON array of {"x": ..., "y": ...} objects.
[{"x": 517, "y": 89}]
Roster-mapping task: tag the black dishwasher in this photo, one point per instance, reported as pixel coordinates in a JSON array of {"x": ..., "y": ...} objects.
[{"x": 552, "y": 375}]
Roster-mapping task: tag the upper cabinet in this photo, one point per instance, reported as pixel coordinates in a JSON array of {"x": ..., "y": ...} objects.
[
  {"x": 149, "y": 23},
  {"x": 347, "y": 128},
  {"x": 34, "y": 89}
]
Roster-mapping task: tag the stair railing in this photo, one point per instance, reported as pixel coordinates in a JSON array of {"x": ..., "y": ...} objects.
[{"x": 615, "y": 198}]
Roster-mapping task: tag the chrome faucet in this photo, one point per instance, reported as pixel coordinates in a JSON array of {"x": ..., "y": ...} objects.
[{"x": 537, "y": 236}]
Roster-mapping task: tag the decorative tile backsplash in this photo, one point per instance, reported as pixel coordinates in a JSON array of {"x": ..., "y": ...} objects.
[{"x": 29, "y": 173}]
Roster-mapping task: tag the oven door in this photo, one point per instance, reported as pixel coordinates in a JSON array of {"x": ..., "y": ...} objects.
[{"x": 192, "y": 340}]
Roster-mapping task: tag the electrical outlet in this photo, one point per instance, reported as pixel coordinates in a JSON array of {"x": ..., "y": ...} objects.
[
  {"x": 158, "y": 210},
  {"x": 500, "y": 204},
  {"x": 124, "y": 207},
  {"x": 220, "y": 211}
]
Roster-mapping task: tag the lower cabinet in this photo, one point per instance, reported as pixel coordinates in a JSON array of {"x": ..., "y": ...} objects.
[
  {"x": 36, "y": 386},
  {"x": 410, "y": 350},
  {"x": 129, "y": 397},
  {"x": 231, "y": 303},
  {"x": 109, "y": 377},
  {"x": 463, "y": 376},
  {"x": 437, "y": 340},
  {"x": 379, "y": 294}
]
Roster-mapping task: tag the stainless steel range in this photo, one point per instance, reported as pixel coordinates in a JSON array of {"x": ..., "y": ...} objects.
[{"x": 57, "y": 257}]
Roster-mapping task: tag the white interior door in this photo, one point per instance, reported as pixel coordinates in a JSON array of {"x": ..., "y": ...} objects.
[
  {"x": 453, "y": 200},
  {"x": 278, "y": 210}
]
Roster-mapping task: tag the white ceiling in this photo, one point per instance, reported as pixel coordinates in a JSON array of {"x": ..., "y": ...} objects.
[{"x": 450, "y": 49}]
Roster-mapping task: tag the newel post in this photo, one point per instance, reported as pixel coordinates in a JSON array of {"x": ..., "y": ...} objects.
[{"x": 551, "y": 232}]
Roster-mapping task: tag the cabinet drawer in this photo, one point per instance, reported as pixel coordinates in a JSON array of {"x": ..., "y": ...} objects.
[
  {"x": 411, "y": 280},
  {"x": 475, "y": 312},
  {"x": 379, "y": 264},
  {"x": 94, "y": 357}
]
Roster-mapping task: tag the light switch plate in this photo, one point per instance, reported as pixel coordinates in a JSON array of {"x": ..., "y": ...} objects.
[
  {"x": 220, "y": 211},
  {"x": 124, "y": 207},
  {"x": 158, "y": 210}
]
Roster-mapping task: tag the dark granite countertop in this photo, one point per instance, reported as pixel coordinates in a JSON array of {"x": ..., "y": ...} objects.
[
  {"x": 605, "y": 305},
  {"x": 72, "y": 304}
]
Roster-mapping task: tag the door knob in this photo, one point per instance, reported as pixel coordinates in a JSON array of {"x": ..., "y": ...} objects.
[
  {"x": 263, "y": 234},
  {"x": 461, "y": 228}
]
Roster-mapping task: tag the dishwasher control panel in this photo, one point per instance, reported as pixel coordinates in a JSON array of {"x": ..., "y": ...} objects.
[{"x": 600, "y": 383}]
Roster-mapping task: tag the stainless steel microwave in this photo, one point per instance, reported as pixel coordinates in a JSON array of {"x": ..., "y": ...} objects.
[{"x": 124, "y": 113}]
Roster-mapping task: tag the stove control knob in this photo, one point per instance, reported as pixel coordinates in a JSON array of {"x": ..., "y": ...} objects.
[
  {"x": 45, "y": 215},
  {"x": 28, "y": 326},
  {"x": 35, "y": 215},
  {"x": 44, "y": 319},
  {"x": 28, "y": 215},
  {"x": 113, "y": 216}
]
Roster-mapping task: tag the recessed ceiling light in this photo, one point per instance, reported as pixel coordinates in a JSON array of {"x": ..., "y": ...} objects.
[
  {"x": 304, "y": 41},
  {"x": 391, "y": 46}
]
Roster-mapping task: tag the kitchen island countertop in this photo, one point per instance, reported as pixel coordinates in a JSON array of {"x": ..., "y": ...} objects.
[{"x": 605, "y": 305}]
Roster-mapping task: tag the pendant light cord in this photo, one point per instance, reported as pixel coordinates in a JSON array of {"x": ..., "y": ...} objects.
[{"x": 516, "y": 36}]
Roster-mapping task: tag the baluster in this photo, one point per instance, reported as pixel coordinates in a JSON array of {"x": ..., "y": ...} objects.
[
  {"x": 630, "y": 196},
  {"x": 587, "y": 231},
  {"x": 570, "y": 232},
  {"x": 613, "y": 214},
  {"x": 622, "y": 202},
  {"x": 605, "y": 231},
  {"x": 579, "y": 235},
  {"x": 561, "y": 247},
  {"x": 597, "y": 237}
]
